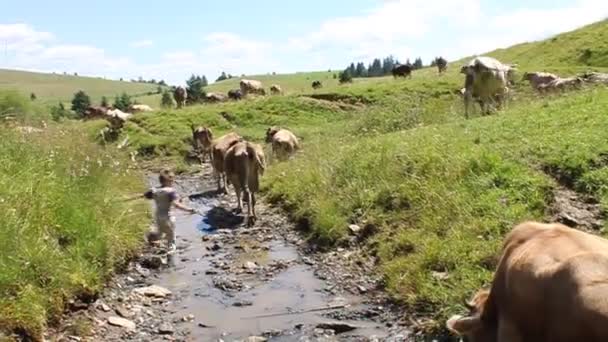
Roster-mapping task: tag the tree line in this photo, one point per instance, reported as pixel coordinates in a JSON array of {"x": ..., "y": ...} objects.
[{"x": 379, "y": 67}]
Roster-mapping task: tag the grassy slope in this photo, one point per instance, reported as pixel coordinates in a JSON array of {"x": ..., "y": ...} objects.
[
  {"x": 290, "y": 83},
  {"x": 63, "y": 230},
  {"x": 440, "y": 191},
  {"x": 54, "y": 88}
]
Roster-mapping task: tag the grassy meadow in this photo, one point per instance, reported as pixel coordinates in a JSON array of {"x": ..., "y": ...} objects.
[
  {"x": 398, "y": 157},
  {"x": 63, "y": 229},
  {"x": 393, "y": 155}
]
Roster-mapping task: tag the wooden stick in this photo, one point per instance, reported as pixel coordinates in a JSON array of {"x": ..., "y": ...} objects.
[{"x": 335, "y": 307}]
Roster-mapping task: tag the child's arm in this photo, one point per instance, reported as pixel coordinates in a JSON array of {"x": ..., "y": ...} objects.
[
  {"x": 148, "y": 194},
  {"x": 176, "y": 203}
]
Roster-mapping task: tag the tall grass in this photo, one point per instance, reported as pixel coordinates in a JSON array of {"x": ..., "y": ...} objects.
[{"x": 62, "y": 229}]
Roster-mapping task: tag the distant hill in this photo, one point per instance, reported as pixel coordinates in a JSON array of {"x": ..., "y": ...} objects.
[
  {"x": 586, "y": 46},
  {"x": 53, "y": 88}
]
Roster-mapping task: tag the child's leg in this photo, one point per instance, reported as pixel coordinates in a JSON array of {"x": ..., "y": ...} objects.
[{"x": 167, "y": 227}]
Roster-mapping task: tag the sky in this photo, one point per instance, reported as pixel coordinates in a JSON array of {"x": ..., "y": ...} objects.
[{"x": 172, "y": 40}]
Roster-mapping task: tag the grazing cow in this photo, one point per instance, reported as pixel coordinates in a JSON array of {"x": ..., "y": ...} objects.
[
  {"x": 180, "y": 95},
  {"x": 219, "y": 147},
  {"x": 442, "y": 64},
  {"x": 252, "y": 87},
  {"x": 550, "y": 285},
  {"x": 317, "y": 85},
  {"x": 95, "y": 112},
  {"x": 284, "y": 142},
  {"x": 537, "y": 79},
  {"x": 244, "y": 164},
  {"x": 235, "y": 94},
  {"x": 595, "y": 77},
  {"x": 276, "y": 89},
  {"x": 402, "y": 70},
  {"x": 487, "y": 79},
  {"x": 561, "y": 84},
  {"x": 135, "y": 108},
  {"x": 202, "y": 138},
  {"x": 215, "y": 97}
]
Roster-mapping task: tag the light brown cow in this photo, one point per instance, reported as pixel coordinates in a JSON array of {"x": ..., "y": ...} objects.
[
  {"x": 561, "y": 84},
  {"x": 252, "y": 87},
  {"x": 202, "y": 138},
  {"x": 276, "y": 89},
  {"x": 551, "y": 285},
  {"x": 284, "y": 142},
  {"x": 219, "y": 147},
  {"x": 135, "y": 108},
  {"x": 537, "y": 79},
  {"x": 180, "y": 95},
  {"x": 244, "y": 164},
  {"x": 215, "y": 97},
  {"x": 487, "y": 79}
]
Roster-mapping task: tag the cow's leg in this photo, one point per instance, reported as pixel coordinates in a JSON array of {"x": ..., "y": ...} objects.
[
  {"x": 239, "y": 199},
  {"x": 467, "y": 102},
  {"x": 251, "y": 216}
]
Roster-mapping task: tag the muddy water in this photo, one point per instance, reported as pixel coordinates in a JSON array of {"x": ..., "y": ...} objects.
[{"x": 270, "y": 276}]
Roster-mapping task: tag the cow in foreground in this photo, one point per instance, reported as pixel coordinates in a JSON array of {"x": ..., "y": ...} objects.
[
  {"x": 486, "y": 79},
  {"x": 276, "y": 89},
  {"x": 180, "y": 95},
  {"x": 284, "y": 142},
  {"x": 252, "y": 87},
  {"x": 537, "y": 79},
  {"x": 202, "y": 139},
  {"x": 244, "y": 164},
  {"x": 550, "y": 285},
  {"x": 317, "y": 85},
  {"x": 402, "y": 70},
  {"x": 219, "y": 148}
]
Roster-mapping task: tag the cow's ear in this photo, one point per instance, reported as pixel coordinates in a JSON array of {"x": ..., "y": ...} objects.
[{"x": 463, "y": 325}]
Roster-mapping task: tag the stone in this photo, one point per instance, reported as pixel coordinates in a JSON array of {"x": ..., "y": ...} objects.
[
  {"x": 307, "y": 261},
  {"x": 153, "y": 291},
  {"x": 241, "y": 303},
  {"x": 337, "y": 327},
  {"x": 103, "y": 307},
  {"x": 354, "y": 228},
  {"x": 256, "y": 339},
  {"x": 123, "y": 312},
  {"x": 165, "y": 329},
  {"x": 121, "y": 322},
  {"x": 153, "y": 262},
  {"x": 250, "y": 265},
  {"x": 361, "y": 289}
]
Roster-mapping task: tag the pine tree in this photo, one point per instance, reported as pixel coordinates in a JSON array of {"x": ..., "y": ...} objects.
[
  {"x": 204, "y": 81},
  {"x": 104, "y": 102},
  {"x": 166, "y": 100},
  {"x": 360, "y": 72},
  {"x": 80, "y": 102},
  {"x": 123, "y": 102}
]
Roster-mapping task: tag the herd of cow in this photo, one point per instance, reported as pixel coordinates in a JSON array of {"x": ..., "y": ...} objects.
[{"x": 239, "y": 162}]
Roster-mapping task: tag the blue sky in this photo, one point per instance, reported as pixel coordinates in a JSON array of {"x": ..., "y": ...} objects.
[{"x": 171, "y": 40}]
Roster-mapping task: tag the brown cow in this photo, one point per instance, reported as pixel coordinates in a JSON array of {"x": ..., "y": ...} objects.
[
  {"x": 551, "y": 285},
  {"x": 244, "y": 164},
  {"x": 284, "y": 142},
  {"x": 275, "y": 89},
  {"x": 180, "y": 95},
  {"x": 202, "y": 138},
  {"x": 537, "y": 79},
  {"x": 219, "y": 147},
  {"x": 402, "y": 70}
]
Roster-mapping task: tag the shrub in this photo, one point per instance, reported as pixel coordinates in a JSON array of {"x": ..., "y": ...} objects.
[
  {"x": 80, "y": 102},
  {"x": 345, "y": 77},
  {"x": 166, "y": 100},
  {"x": 13, "y": 104},
  {"x": 123, "y": 102}
]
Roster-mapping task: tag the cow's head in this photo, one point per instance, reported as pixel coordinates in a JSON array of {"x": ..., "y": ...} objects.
[
  {"x": 474, "y": 326},
  {"x": 270, "y": 132},
  {"x": 201, "y": 134}
]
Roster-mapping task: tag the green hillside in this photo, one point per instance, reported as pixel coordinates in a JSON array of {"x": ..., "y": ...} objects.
[
  {"x": 398, "y": 157},
  {"x": 53, "y": 88},
  {"x": 587, "y": 46}
]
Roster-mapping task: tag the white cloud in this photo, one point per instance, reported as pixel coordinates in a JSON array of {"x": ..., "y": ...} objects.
[
  {"x": 142, "y": 43},
  {"x": 22, "y": 38}
]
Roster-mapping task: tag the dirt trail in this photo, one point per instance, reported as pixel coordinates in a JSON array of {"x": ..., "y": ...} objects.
[{"x": 225, "y": 277}]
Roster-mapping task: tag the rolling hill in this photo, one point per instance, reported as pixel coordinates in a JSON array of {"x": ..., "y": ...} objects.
[{"x": 52, "y": 88}]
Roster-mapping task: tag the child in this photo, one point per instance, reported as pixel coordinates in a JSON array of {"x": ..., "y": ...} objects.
[{"x": 165, "y": 196}]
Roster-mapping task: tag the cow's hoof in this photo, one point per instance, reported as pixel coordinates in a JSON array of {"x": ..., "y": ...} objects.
[
  {"x": 251, "y": 221},
  {"x": 237, "y": 211}
]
